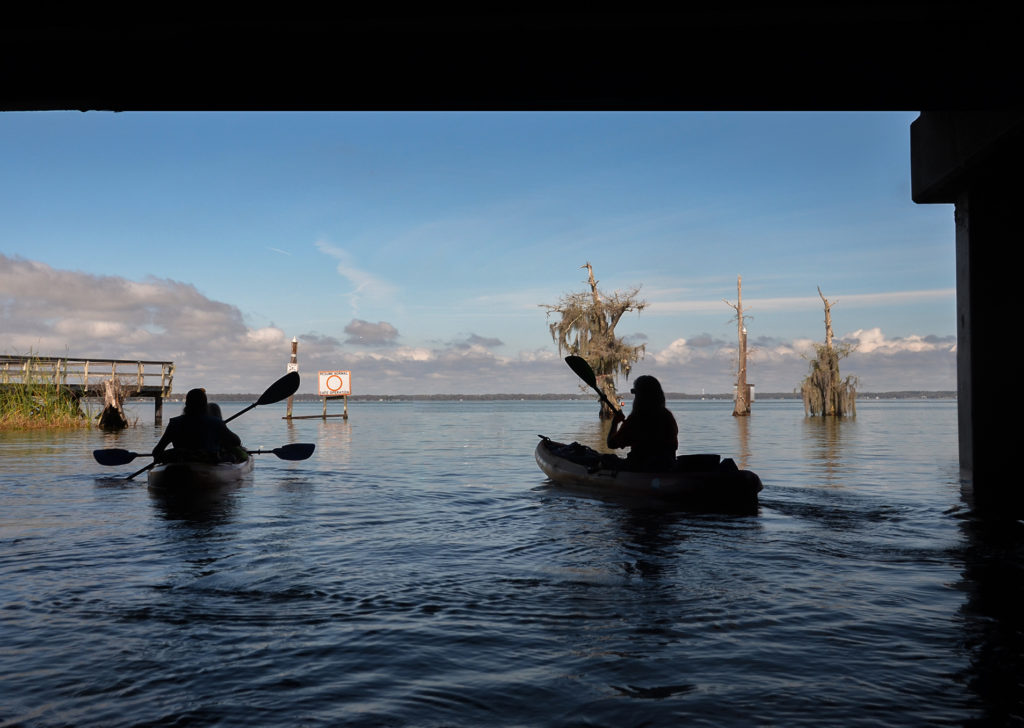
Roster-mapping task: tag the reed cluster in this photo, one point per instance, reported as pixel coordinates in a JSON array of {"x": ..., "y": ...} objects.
[{"x": 37, "y": 404}]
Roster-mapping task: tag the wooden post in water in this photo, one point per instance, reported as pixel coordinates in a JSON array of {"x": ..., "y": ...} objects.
[
  {"x": 113, "y": 417},
  {"x": 293, "y": 366}
]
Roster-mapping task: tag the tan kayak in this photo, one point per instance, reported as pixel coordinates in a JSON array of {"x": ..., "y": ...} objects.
[{"x": 699, "y": 482}]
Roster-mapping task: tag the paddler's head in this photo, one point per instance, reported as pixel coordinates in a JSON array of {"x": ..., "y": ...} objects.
[
  {"x": 195, "y": 402},
  {"x": 647, "y": 393}
]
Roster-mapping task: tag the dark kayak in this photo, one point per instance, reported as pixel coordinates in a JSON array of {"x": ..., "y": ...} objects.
[
  {"x": 196, "y": 475},
  {"x": 698, "y": 482}
]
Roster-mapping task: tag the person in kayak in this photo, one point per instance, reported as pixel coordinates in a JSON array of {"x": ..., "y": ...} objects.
[
  {"x": 235, "y": 453},
  {"x": 650, "y": 431},
  {"x": 197, "y": 435}
]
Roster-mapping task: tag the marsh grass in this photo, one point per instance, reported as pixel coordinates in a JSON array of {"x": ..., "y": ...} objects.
[{"x": 36, "y": 402}]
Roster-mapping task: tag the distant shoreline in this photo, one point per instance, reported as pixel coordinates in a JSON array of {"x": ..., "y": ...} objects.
[{"x": 676, "y": 396}]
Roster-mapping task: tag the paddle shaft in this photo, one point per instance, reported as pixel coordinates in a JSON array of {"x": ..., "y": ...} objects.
[
  {"x": 584, "y": 371},
  {"x": 604, "y": 398},
  {"x": 242, "y": 412},
  {"x": 142, "y": 470},
  {"x": 295, "y": 451}
]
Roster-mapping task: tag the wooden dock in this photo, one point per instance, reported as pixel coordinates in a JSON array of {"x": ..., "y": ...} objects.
[{"x": 86, "y": 377}]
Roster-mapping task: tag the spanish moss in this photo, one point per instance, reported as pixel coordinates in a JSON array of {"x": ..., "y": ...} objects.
[
  {"x": 586, "y": 327},
  {"x": 824, "y": 390}
]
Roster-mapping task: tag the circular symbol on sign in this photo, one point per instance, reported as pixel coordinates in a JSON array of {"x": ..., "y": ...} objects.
[{"x": 334, "y": 382}]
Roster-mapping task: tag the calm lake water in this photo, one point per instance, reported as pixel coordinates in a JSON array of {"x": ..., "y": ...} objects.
[{"x": 419, "y": 570}]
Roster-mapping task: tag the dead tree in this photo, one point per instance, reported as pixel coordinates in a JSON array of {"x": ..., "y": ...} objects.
[
  {"x": 825, "y": 392},
  {"x": 112, "y": 417},
  {"x": 586, "y": 327},
  {"x": 742, "y": 406}
]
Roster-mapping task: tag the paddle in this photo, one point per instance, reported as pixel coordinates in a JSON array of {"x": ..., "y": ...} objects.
[
  {"x": 579, "y": 365},
  {"x": 142, "y": 470},
  {"x": 116, "y": 456},
  {"x": 295, "y": 451},
  {"x": 283, "y": 388}
]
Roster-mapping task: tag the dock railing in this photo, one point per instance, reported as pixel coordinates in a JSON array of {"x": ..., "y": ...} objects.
[{"x": 86, "y": 377}]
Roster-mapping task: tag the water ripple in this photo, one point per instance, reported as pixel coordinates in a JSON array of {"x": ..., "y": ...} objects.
[{"x": 418, "y": 571}]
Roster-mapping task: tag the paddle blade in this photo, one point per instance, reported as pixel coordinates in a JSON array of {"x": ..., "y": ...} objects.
[
  {"x": 283, "y": 388},
  {"x": 584, "y": 371},
  {"x": 114, "y": 456},
  {"x": 579, "y": 365},
  {"x": 295, "y": 451}
]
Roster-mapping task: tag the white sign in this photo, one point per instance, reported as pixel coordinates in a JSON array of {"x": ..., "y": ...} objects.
[
  {"x": 292, "y": 367},
  {"x": 335, "y": 384}
]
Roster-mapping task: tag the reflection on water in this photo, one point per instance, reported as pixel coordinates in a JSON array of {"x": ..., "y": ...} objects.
[
  {"x": 742, "y": 456},
  {"x": 336, "y": 435},
  {"x": 822, "y": 443},
  {"x": 590, "y": 431},
  {"x": 417, "y": 571},
  {"x": 208, "y": 506}
]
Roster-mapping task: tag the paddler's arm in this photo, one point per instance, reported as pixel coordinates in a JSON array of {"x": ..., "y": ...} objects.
[
  {"x": 229, "y": 438},
  {"x": 164, "y": 442},
  {"x": 613, "y": 440}
]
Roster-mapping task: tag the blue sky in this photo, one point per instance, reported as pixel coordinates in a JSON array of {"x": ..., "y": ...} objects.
[{"x": 414, "y": 248}]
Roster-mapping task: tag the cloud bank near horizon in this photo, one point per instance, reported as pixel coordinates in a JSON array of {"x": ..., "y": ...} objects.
[{"x": 52, "y": 312}]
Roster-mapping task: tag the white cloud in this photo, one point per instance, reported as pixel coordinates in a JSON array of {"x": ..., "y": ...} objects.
[
  {"x": 774, "y": 365},
  {"x": 365, "y": 333},
  {"x": 65, "y": 313},
  {"x": 266, "y": 335},
  {"x": 50, "y": 312},
  {"x": 365, "y": 285},
  {"x": 805, "y": 303},
  {"x": 873, "y": 340},
  {"x": 675, "y": 353}
]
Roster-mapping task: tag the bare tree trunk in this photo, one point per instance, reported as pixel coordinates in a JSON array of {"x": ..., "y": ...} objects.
[
  {"x": 605, "y": 381},
  {"x": 832, "y": 381},
  {"x": 742, "y": 406},
  {"x": 598, "y": 307},
  {"x": 113, "y": 417},
  {"x": 607, "y": 384},
  {"x": 828, "y": 319}
]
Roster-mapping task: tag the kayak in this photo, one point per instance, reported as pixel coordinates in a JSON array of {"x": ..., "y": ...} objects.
[
  {"x": 697, "y": 482},
  {"x": 197, "y": 475}
]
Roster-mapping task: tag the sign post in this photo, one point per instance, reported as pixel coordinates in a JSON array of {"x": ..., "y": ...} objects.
[
  {"x": 293, "y": 366},
  {"x": 334, "y": 384}
]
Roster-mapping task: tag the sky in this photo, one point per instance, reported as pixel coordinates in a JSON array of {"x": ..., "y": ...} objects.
[{"x": 416, "y": 249}]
